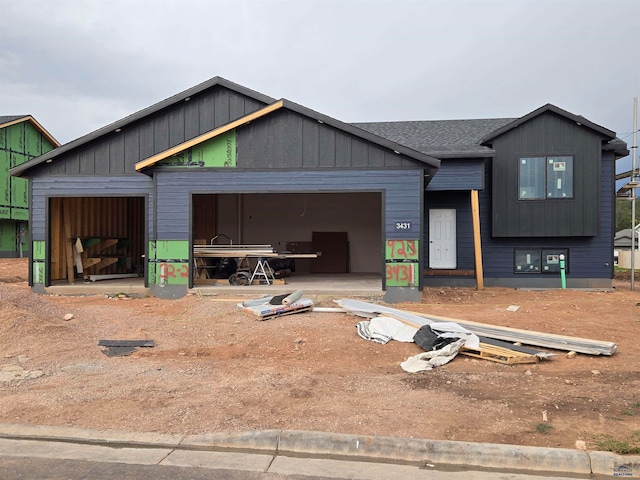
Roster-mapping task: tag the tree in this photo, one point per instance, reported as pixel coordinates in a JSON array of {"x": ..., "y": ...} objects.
[{"x": 623, "y": 214}]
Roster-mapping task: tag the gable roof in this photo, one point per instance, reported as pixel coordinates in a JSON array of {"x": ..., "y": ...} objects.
[
  {"x": 307, "y": 112},
  {"x": 440, "y": 138},
  {"x": 578, "y": 119},
  {"x": 123, "y": 122},
  {"x": 460, "y": 138},
  {"x": 622, "y": 238},
  {"x": 614, "y": 143},
  {"x": 8, "y": 120}
]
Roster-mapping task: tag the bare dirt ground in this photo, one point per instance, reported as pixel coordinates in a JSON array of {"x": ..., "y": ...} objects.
[{"x": 214, "y": 368}]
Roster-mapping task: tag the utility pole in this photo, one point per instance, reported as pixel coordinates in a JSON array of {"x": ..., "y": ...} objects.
[{"x": 634, "y": 147}]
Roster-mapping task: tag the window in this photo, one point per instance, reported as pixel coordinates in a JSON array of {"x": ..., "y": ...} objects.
[
  {"x": 545, "y": 177},
  {"x": 540, "y": 260}
]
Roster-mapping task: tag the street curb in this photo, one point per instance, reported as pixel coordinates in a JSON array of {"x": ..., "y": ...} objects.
[
  {"x": 351, "y": 447},
  {"x": 88, "y": 436}
]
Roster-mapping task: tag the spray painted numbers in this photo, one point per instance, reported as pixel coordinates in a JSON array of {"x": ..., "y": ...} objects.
[
  {"x": 402, "y": 250},
  {"x": 173, "y": 273},
  {"x": 401, "y": 274}
]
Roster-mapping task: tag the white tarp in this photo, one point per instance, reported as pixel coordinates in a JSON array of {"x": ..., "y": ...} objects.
[
  {"x": 383, "y": 329},
  {"x": 434, "y": 358},
  {"x": 450, "y": 329}
]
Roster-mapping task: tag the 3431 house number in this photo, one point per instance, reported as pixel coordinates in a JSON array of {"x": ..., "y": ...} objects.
[{"x": 403, "y": 225}]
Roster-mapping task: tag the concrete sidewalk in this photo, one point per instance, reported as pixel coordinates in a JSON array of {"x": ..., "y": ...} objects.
[{"x": 317, "y": 445}]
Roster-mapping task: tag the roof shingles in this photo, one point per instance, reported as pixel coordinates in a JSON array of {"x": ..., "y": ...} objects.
[{"x": 439, "y": 137}]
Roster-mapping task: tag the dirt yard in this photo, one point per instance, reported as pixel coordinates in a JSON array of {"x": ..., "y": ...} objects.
[{"x": 214, "y": 368}]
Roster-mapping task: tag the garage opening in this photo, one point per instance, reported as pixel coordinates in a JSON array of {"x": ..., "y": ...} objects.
[
  {"x": 97, "y": 237},
  {"x": 346, "y": 228}
]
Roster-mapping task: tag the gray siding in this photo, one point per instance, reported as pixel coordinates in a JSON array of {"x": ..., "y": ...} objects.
[
  {"x": 84, "y": 186},
  {"x": 548, "y": 134},
  {"x": 118, "y": 152},
  {"x": 589, "y": 257},
  {"x": 401, "y": 198},
  {"x": 288, "y": 140},
  {"x": 459, "y": 174}
]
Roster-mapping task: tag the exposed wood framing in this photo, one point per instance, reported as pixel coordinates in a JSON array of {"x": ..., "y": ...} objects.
[
  {"x": 206, "y": 136},
  {"x": 117, "y": 221},
  {"x": 477, "y": 243}
]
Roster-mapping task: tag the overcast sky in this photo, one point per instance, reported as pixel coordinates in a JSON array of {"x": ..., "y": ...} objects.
[{"x": 78, "y": 65}]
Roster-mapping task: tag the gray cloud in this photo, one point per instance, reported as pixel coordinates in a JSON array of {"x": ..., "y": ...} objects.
[{"x": 78, "y": 65}]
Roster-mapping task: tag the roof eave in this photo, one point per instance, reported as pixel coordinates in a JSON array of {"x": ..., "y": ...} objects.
[
  {"x": 580, "y": 121},
  {"x": 40, "y": 128},
  {"x": 462, "y": 154},
  {"x": 398, "y": 149},
  {"x": 118, "y": 125}
]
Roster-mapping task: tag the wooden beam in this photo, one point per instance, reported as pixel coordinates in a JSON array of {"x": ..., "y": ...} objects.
[
  {"x": 477, "y": 242},
  {"x": 206, "y": 136}
]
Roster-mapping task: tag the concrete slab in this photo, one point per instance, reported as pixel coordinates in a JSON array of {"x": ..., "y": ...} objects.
[{"x": 349, "y": 284}]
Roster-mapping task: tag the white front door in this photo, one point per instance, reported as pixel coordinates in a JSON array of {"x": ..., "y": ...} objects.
[{"x": 442, "y": 238}]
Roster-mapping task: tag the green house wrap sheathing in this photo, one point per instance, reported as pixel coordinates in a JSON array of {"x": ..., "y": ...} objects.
[
  {"x": 168, "y": 262},
  {"x": 39, "y": 265},
  {"x": 19, "y": 143},
  {"x": 216, "y": 152}
]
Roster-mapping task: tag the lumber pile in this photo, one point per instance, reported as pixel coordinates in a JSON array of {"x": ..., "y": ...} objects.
[{"x": 234, "y": 251}]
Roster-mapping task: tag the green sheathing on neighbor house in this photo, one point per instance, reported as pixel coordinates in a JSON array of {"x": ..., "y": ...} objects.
[{"x": 21, "y": 139}]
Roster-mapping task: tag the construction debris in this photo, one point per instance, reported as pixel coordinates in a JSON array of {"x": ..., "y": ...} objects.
[
  {"x": 435, "y": 358},
  {"x": 121, "y": 348},
  {"x": 276, "y": 306},
  {"x": 499, "y": 354},
  {"x": 528, "y": 337}
]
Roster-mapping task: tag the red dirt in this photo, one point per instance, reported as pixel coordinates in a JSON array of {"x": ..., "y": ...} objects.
[{"x": 214, "y": 368}]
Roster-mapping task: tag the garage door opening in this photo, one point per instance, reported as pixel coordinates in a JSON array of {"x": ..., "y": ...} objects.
[
  {"x": 92, "y": 238},
  {"x": 346, "y": 228}
]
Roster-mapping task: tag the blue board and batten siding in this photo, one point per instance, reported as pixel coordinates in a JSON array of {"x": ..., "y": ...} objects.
[
  {"x": 117, "y": 153},
  {"x": 288, "y": 140}
]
